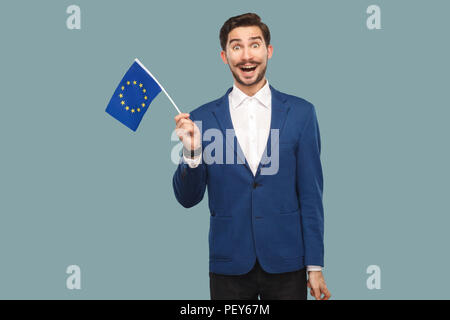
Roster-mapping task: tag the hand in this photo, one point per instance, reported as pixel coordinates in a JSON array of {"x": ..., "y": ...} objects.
[
  {"x": 187, "y": 131},
  {"x": 316, "y": 283}
]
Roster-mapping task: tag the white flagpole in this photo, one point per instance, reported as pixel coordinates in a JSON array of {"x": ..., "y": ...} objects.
[{"x": 162, "y": 88}]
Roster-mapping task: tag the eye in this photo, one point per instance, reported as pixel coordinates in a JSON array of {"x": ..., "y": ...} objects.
[
  {"x": 255, "y": 45},
  {"x": 237, "y": 46}
]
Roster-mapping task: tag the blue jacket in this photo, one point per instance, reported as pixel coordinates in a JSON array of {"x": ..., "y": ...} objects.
[{"x": 277, "y": 218}]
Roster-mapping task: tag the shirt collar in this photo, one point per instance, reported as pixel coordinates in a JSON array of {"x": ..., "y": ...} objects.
[{"x": 264, "y": 96}]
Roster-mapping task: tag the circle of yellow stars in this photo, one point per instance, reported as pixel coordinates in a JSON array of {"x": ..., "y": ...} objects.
[{"x": 133, "y": 109}]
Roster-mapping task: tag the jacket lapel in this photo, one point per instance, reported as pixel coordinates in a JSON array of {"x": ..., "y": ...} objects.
[
  {"x": 278, "y": 118},
  {"x": 223, "y": 116}
]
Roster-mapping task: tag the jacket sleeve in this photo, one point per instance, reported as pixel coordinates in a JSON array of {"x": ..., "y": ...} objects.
[
  {"x": 310, "y": 188},
  {"x": 189, "y": 184}
]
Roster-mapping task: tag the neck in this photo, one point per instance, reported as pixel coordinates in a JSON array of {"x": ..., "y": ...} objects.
[{"x": 253, "y": 89}]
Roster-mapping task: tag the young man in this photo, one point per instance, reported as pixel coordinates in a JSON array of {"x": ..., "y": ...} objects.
[{"x": 266, "y": 227}]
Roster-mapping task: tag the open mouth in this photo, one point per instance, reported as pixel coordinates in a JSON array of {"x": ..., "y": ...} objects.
[{"x": 248, "y": 68}]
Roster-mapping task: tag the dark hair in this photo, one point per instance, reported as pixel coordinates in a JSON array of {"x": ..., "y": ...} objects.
[{"x": 243, "y": 20}]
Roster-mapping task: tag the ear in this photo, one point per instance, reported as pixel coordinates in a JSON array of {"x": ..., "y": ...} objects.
[
  {"x": 223, "y": 55},
  {"x": 269, "y": 51}
]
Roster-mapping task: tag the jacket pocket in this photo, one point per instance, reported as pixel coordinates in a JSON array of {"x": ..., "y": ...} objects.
[
  {"x": 290, "y": 242},
  {"x": 220, "y": 213},
  {"x": 220, "y": 237},
  {"x": 289, "y": 211}
]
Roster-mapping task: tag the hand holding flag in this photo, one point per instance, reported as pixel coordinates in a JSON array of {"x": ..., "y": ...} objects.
[{"x": 187, "y": 131}]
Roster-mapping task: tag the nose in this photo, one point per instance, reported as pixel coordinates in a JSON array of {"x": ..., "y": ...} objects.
[{"x": 246, "y": 54}]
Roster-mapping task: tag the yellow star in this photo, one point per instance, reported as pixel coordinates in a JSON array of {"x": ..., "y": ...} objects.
[
  {"x": 138, "y": 109},
  {"x": 132, "y": 110},
  {"x": 140, "y": 85},
  {"x": 128, "y": 82},
  {"x": 123, "y": 87},
  {"x": 145, "y": 97},
  {"x": 143, "y": 105},
  {"x": 134, "y": 82},
  {"x": 144, "y": 91},
  {"x": 122, "y": 102},
  {"x": 120, "y": 95},
  {"x": 127, "y": 107}
]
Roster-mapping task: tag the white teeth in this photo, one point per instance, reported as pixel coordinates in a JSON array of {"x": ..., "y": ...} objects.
[{"x": 248, "y": 67}]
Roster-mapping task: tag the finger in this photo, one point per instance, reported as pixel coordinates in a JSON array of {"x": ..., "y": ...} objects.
[
  {"x": 317, "y": 293},
  {"x": 179, "y": 123},
  {"x": 188, "y": 129},
  {"x": 184, "y": 123},
  {"x": 181, "y": 116},
  {"x": 182, "y": 133},
  {"x": 327, "y": 294}
]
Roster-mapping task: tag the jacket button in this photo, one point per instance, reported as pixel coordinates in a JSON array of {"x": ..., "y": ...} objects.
[{"x": 255, "y": 184}]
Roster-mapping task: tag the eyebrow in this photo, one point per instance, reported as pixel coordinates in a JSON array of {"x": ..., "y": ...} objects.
[{"x": 251, "y": 38}]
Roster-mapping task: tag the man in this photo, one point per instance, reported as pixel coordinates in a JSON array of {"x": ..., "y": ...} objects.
[{"x": 266, "y": 228}]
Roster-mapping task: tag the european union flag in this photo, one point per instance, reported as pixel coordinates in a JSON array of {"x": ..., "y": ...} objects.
[{"x": 135, "y": 92}]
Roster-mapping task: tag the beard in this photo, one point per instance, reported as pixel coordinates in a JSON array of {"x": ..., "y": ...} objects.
[{"x": 259, "y": 77}]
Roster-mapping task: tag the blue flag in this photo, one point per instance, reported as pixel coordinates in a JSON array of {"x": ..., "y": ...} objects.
[{"x": 135, "y": 92}]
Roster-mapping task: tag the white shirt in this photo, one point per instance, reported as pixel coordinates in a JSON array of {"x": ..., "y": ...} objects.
[{"x": 251, "y": 122}]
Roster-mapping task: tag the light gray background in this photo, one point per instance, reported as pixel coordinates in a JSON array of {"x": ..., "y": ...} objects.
[{"x": 77, "y": 187}]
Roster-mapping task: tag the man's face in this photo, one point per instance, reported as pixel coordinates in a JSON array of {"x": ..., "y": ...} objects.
[{"x": 246, "y": 54}]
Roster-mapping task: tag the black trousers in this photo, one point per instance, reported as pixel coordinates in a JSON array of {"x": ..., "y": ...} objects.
[{"x": 257, "y": 282}]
